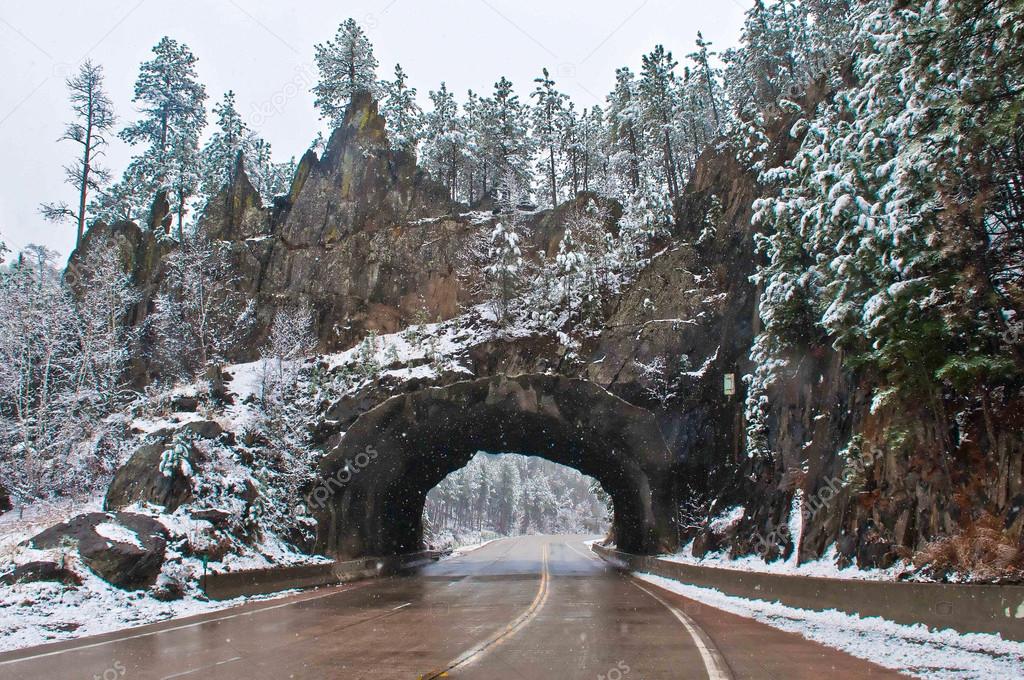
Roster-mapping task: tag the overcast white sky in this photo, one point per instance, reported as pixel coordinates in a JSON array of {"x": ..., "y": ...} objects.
[{"x": 263, "y": 51}]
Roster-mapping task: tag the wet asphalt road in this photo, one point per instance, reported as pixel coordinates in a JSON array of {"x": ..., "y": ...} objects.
[{"x": 537, "y": 607}]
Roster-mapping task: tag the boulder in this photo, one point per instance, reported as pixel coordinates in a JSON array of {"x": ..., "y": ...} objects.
[
  {"x": 140, "y": 479},
  {"x": 34, "y": 572},
  {"x": 132, "y": 562}
]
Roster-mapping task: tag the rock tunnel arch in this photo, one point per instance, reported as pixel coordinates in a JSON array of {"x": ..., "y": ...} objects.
[{"x": 372, "y": 487}]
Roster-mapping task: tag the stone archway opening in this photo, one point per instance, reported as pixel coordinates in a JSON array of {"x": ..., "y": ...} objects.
[{"x": 372, "y": 488}]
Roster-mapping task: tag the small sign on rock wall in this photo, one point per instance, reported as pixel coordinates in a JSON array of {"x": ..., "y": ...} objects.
[{"x": 729, "y": 384}]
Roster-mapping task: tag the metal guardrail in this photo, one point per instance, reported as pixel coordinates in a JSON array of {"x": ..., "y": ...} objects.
[{"x": 966, "y": 608}]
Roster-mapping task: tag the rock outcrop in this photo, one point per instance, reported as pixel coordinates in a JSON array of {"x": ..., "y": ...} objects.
[{"x": 124, "y": 549}]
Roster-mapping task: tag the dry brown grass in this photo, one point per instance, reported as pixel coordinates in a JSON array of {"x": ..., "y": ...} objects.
[{"x": 982, "y": 552}]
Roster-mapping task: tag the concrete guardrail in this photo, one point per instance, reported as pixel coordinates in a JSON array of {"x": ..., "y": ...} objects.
[
  {"x": 965, "y": 608},
  {"x": 231, "y": 584}
]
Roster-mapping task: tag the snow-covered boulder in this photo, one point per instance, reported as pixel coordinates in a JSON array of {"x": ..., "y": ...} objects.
[
  {"x": 160, "y": 473},
  {"x": 141, "y": 479},
  {"x": 125, "y": 549}
]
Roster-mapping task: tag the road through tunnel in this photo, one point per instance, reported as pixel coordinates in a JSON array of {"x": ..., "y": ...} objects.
[{"x": 372, "y": 488}]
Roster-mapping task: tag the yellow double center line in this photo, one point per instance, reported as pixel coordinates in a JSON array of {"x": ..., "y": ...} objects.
[{"x": 474, "y": 653}]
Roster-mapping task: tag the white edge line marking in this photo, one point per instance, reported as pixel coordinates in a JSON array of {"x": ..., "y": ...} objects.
[
  {"x": 591, "y": 556},
  {"x": 201, "y": 668},
  {"x": 174, "y": 628},
  {"x": 713, "y": 661}
]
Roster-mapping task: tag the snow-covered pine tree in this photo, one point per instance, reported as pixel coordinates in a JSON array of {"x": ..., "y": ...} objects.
[
  {"x": 505, "y": 268},
  {"x": 94, "y": 119},
  {"x": 549, "y": 122},
  {"x": 477, "y": 178},
  {"x": 594, "y": 156},
  {"x": 346, "y": 66},
  {"x": 573, "y": 149},
  {"x": 171, "y": 100},
  {"x": 445, "y": 147},
  {"x": 626, "y": 132},
  {"x": 508, "y": 147},
  {"x": 660, "y": 106},
  {"x": 220, "y": 154},
  {"x": 708, "y": 77},
  {"x": 403, "y": 115},
  {"x": 270, "y": 179}
]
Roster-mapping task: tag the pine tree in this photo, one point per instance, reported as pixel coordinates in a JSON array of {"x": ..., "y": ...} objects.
[
  {"x": 660, "y": 106},
  {"x": 94, "y": 119},
  {"x": 508, "y": 144},
  {"x": 549, "y": 114},
  {"x": 593, "y": 152},
  {"x": 221, "y": 153},
  {"x": 270, "y": 179},
  {"x": 505, "y": 266},
  {"x": 171, "y": 99},
  {"x": 346, "y": 66},
  {"x": 706, "y": 74},
  {"x": 403, "y": 115},
  {"x": 477, "y": 180},
  {"x": 445, "y": 149},
  {"x": 626, "y": 129},
  {"x": 219, "y": 157}
]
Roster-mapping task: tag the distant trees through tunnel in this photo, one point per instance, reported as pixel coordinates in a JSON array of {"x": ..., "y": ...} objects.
[{"x": 510, "y": 495}]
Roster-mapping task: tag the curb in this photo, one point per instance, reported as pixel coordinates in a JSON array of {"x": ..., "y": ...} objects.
[{"x": 232, "y": 584}]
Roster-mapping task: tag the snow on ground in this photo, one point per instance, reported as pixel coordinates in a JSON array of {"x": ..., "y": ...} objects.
[
  {"x": 38, "y": 613},
  {"x": 21, "y": 524},
  {"x": 914, "y": 650},
  {"x": 824, "y": 567}
]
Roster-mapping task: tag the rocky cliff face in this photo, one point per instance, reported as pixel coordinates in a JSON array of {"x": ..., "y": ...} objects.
[{"x": 371, "y": 243}]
